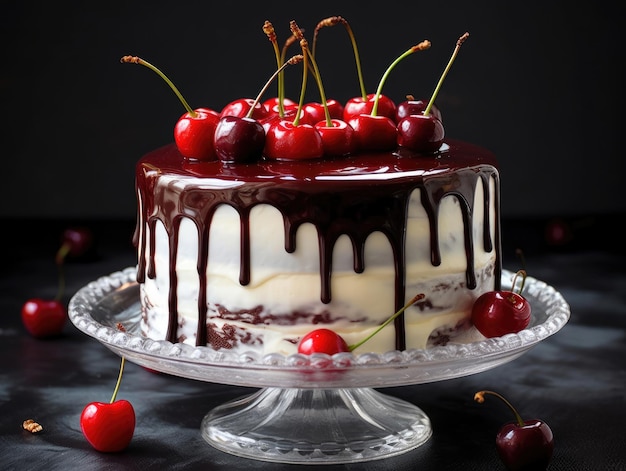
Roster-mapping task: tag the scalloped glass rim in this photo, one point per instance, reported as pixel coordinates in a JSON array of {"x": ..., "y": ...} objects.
[{"x": 97, "y": 308}]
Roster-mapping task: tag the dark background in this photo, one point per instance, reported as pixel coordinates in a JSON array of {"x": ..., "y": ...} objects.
[{"x": 539, "y": 83}]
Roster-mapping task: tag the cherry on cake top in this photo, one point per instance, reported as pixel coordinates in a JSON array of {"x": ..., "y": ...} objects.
[{"x": 280, "y": 128}]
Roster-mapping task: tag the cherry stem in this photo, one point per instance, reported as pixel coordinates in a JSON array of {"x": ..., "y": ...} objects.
[
  {"x": 138, "y": 60},
  {"x": 480, "y": 398},
  {"x": 119, "y": 380},
  {"x": 431, "y": 102},
  {"x": 418, "y": 47},
  {"x": 332, "y": 21},
  {"x": 386, "y": 323},
  {"x": 297, "y": 32},
  {"x": 522, "y": 274},
  {"x": 268, "y": 29},
  {"x": 520, "y": 254},
  {"x": 59, "y": 259},
  {"x": 316, "y": 72},
  {"x": 294, "y": 60}
]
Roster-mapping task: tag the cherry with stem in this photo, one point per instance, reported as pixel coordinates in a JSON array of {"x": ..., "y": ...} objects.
[
  {"x": 373, "y": 131},
  {"x": 522, "y": 445},
  {"x": 241, "y": 139},
  {"x": 337, "y": 135},
  {"x": 424, "y": 132},
  {"x": 293, "y": 140},
  {"x": 46, "y": 318},
  {"x": 329, "y": 342},
  {"x": 193, "y": 132},
  {"x": 497, "y": 313},
  {"x": 109, "y": 427}
]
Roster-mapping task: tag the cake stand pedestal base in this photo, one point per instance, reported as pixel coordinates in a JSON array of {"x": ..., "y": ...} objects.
[{"x": 316, "y": 426}]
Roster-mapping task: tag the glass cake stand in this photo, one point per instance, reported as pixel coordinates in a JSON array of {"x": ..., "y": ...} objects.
[{"x": 313, "y": 409}]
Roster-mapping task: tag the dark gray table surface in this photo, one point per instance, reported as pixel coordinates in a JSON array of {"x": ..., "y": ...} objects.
[{"x": 575, "y": 380}]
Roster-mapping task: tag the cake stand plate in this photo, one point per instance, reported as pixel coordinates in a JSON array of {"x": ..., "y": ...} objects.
[{"x": 316, "y": 409}]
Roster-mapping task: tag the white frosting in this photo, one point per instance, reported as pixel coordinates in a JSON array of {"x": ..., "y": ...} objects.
[{"x": 282, "y": 283}]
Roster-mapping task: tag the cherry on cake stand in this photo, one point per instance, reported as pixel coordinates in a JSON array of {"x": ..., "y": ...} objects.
[{"x": 309, "y": 410}]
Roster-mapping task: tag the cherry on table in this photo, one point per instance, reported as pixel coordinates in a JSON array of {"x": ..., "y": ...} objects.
[
  {"x": 44, "y": 318},
  {"x": 75, "y": 241},
  {"x": 109, "y": 426},
  {"x": 522, "y": 445}
]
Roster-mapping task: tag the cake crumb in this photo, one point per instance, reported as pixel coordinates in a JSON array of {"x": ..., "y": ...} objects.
[{"x": 32, "y": 426}]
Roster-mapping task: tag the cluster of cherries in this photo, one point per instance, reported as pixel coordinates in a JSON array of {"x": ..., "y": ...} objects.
[
  {"x": 107, "y": 426},
  {"x": 46, "y": 318},
  {"x": 494, "y": 313},
  {"x": 247, "y": 129}
]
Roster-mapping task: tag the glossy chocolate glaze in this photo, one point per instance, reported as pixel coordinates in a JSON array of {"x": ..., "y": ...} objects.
[{"x": 355, "y": 195}]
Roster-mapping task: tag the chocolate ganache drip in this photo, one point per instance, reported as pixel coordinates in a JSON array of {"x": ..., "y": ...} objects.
[{"x": 355, "y": 196}]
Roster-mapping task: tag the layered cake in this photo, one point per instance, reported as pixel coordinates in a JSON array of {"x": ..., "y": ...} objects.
[
  {"x": 260, "y": 224},
  {"x": 251, "y": 257}
]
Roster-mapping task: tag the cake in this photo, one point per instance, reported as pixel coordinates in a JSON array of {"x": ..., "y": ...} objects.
[
  {"x": 248, "y": 239},
  {"x": 250, "y": 257}
]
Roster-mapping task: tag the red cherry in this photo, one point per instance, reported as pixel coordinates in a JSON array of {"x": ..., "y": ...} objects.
[
  {"x": 522, "y": 444},
  {"x": 329, "y": 342},
  {"x": 359, "y": 105},
  {"x": 335, "y": 108},
  {"x": 497, "y": 313},
  {"x": 423, "y": 132},
  {"x": 364, "y": 103},
  {"x": 272, "y": 104},
  {"x": 242, "y": 107},
  {"x": 239, "y": 139},
  {"x": 287, "y": 141},
  {"x": 558, "y": 232},
  {"x": 75, "y": 241},
  {"x": 193, "y": 134},
  {"x": 44, "y": 318},
  {"x": 338, "y": 139},
  {"x": 293, "y": 140},
  {"x": 312, "y": 113},
  {"x": 420, "y": 133},
  {"x": 274, "y": 118},
  {"x": 373, "y": 133},
  {"x": 412, "y": 106},
  {"x": 108, "y": 427},
  {"x": 376, "y": 130},
  {"x": 322, "y": 341}
]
